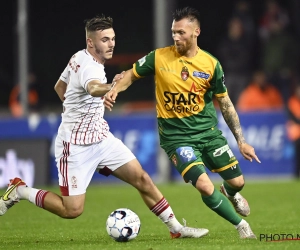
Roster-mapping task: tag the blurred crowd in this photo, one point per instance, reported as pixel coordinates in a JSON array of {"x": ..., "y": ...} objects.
[
  {"x": 261, "y": 61},
  {"x": 259, "y": 52},
  {"x": 260, "y": 57}
]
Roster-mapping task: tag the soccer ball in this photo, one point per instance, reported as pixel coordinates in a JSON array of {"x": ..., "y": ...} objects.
[{"x": 123, "y": 225}]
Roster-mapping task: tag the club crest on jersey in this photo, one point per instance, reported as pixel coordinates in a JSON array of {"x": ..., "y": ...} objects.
[
  {"x": 73, "y": 64},
  {"x": 74, "y": 181},
  {"x": 184, "y": 73}
]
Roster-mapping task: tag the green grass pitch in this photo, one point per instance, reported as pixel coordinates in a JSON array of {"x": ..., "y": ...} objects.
[{"x": 275, "y": 209}]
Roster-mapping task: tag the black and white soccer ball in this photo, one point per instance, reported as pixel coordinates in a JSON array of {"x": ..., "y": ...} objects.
[{"x": 123, "y": 225}]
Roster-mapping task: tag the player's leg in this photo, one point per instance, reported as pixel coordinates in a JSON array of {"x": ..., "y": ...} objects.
[
  {"x": 63, "y": 206},
  {"x": 76, "y": 166},
  {"x": 133, "y": 174},
  {"x": 219, "y": 159},
  {"x": 235, "y": 183},
  {"x": 189, "y": 164},
  {"x": 68, "y": 207},
  {"x": 231, "y": 189},
  {"x": 216, "y": 201},
  {"x": 121, "y": 163}
]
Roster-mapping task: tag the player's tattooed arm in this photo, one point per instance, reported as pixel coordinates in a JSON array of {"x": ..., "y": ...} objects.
[{"x": 231, "y": 118}]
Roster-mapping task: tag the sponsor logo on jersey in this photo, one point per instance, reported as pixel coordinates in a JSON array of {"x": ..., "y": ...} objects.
[
  {"x": 186, "y": 154},
  {"x": 184, "y": 102},
  {"x": 181, "y": 102},
  {"x": 184, "y": 73},
  {"x": 201, "y": 75}
]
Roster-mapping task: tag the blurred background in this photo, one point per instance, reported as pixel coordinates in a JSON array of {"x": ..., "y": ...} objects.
[{"x": 257, "y": 43}]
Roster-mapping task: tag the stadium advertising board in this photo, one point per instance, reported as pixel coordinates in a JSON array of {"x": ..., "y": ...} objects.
[
  {"x": 25, "y": 158},
  {"x": 21, "y": 139},
  {"x": 266, "y": 132}
]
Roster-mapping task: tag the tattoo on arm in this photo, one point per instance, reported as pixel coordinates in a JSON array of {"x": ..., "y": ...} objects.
[{"x": 231, "y": 118}]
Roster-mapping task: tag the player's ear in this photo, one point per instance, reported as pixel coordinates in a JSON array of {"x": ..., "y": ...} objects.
[
  {"x": 89, "y": 42},
  {"x": 197, "y": 32}
]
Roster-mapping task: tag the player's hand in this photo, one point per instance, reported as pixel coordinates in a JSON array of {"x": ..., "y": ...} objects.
[
  {"x": 248, "y": 152},
  {"x": 118, "y": 76},
  {"x": 110, "y": 99}
]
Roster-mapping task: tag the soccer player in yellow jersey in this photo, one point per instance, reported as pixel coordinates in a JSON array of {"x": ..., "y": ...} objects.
[{"x": 186, "y": 79}]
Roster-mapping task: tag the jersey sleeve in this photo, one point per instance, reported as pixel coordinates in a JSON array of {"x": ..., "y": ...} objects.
[
  {"x": 218, "y": 81},
  {"x": 91, "y": 73},
  {"x": 65, "y": 75},
  {"x": 145, "y": 66}
]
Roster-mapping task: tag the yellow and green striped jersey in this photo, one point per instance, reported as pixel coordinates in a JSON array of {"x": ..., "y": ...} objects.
[{"x": 184, "y": 91}]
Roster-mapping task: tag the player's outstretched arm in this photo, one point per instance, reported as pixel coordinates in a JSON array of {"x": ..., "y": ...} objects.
[
  {"x": 96, "y": 89},
  {"x": 232, "y": 119},
  {"x": 121, "y": 83}
]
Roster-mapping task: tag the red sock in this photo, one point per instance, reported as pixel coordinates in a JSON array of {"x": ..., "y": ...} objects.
[
  {"x": 39, "y": 199},
  {"x": 160, "y": 206}
]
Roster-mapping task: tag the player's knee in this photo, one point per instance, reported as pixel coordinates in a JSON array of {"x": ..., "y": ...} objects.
[
  {"x": 205, "y": 187},
  {"x": 240, "y": 185},
  {"x": 72, "y": 213},
  {"x": 144, "y": 182},
  {"x": 237, "y": 183}
]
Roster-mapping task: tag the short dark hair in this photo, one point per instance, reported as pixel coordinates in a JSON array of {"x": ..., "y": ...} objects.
[
  {"x": 187, "y": 12},
  {"x": 100, "y": 22}
]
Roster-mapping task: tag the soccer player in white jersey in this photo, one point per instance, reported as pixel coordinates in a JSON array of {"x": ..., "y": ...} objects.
[{"x": 84, "y": 142}]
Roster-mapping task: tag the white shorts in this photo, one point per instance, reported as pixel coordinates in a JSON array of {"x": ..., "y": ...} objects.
[{"x": 76, "y": 164}]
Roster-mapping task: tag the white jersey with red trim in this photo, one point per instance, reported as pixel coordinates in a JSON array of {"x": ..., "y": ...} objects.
[{"x": 82, "y": 119}]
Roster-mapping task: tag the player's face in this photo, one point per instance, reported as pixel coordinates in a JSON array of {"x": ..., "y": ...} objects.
[
  {"x": 102, "y": 43},
  {"x": 185, "y": 35}
]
